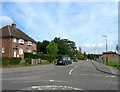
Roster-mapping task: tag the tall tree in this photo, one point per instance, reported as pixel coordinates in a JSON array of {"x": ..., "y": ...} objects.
[
  {"x": 38, "y": 46},
  {"x": 79, "y": 54},
  {"x": 43, "y": 46},
  {"x": 65, "y": 46},
  {"x": 52, "y": 48}
]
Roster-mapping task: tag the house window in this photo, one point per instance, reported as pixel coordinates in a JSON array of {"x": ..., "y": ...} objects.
[
  {"x": 29, "y": 51},
  {"x": 14, "y": 40},
  {"x": 20, "y": 51},
  {"x": 21, "y": 41},
  {"x": 3, "y": 50},
  {"x": 29, "y": 43}
]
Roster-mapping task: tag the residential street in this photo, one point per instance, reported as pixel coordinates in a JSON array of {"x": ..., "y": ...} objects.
[{"x": 77, "y": 76}]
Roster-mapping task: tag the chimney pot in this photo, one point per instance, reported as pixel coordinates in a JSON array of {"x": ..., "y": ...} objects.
[{"x": 14, "y": 25}]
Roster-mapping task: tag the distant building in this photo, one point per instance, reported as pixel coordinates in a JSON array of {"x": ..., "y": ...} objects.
[
  {"x": 14, "y": 42},
  {"x": 110, "y": 56}
]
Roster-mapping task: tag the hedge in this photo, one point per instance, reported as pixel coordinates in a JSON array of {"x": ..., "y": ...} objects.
[
  {"x": 10, "y": 60},
  {"x": 27, "y": 60},
  {"x": 49, "y": 57}
]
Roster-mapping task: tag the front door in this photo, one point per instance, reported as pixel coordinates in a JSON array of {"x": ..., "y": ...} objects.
[{"x": 14, "y": 52}]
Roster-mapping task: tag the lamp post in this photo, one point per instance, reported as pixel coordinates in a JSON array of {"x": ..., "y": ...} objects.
[
  {"x": 106, "y": 41},
  {"x": 106, "y": 49}
]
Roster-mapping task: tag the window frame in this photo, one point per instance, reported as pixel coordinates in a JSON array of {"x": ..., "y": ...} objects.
[
  {"x": 15, "y": 40},
  {"x": 3, "y": 50},
  {"x": 21, "y": 51}
]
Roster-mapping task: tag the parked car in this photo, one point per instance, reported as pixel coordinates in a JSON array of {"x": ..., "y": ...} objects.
[
  {"x": 62, "y": 61},
  {"x": 75, "y": 60},
  {"x": 69, "y": 60}
]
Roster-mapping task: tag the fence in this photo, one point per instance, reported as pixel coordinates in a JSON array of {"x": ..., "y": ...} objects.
[{"x": 36, "y": 61}]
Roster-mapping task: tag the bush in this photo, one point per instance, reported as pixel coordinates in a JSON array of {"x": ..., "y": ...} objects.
[
  {"x": 5, "y": 61},
  {"x": 27, "y": 60},
  {"x": 10, "y": 60},
  {"x": 49, "y": 57},
  {"x": 28, "y": 55}
]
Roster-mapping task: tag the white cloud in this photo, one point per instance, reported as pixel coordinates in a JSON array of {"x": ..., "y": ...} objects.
[
  {"x": 92, "y": 46},
  {"x": 5, "y": 20}
]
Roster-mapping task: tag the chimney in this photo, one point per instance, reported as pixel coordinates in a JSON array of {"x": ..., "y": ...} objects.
[{"x": 13, "y": 25}]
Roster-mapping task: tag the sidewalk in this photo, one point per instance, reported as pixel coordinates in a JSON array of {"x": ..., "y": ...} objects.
[
  {"x": 25, "y": 69},
  {"x": 104, "y": 68}
]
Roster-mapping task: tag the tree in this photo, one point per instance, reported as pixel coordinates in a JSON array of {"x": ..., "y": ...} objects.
[
  {"x": 79, "y": 54},
  {"x": 52, "y": 48},
  {"x": 85, "y": 55},
  {"x": 43, "y": 46},
  {"x": 38, "y": 46},
  {"x": 65, "y": 46}
]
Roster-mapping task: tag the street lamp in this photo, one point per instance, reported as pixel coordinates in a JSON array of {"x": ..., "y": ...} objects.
[{"x": 106, "y": 41}]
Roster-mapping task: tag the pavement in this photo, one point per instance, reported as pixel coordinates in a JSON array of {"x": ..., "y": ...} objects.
[
  {"x": 80, "y": 75},
  {"x": 25, "y": 69},
  {"x": 104, "y": 68}
]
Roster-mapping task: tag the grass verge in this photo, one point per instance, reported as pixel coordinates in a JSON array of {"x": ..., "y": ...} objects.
[{"x": 113, "y": 64}]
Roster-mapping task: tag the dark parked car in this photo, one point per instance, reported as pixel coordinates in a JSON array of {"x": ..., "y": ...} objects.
[
  {"x": 62, "y": 61},
  {"x": 69, "y": 60}
]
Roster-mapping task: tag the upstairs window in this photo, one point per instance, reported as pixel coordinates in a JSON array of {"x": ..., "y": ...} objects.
[
  {"x": 21, "y": 41},
  {"x": 14, "y": 40},
  {"x": 29, "y": 43},
  {"x": 3, "y": 50}
]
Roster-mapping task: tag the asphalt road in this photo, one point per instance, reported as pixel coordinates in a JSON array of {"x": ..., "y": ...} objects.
[{"x": 77, "y": 76}]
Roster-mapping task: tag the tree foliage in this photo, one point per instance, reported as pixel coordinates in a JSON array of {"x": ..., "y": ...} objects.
[
  {"x": 65, "y": 46},
  {"x": 41, "y": 46},
  {"x": 59, "y": 46},
  {"x": 52, "y": 48}
]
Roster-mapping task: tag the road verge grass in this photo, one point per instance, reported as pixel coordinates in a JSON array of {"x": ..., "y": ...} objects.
[{"x": 113, "y": 64}]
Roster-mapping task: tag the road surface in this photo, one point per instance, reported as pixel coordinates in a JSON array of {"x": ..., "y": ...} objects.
[{"x": 77, "y": 76}]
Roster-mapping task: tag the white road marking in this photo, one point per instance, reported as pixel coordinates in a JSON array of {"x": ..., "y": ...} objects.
[
  {"x": 21, "y": 82},
  {"x": 112, "y": 76},
  {"x": 71, "y": 71},
  {"x": 52, "y": 80},
  {"x": 75, "y": 66},
  {"x": 51, "y": 87}
]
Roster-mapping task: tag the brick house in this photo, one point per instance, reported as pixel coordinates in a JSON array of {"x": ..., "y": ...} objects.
[
  {"x": 14, "y": 42},
  {"x": 110, "y": 56}
]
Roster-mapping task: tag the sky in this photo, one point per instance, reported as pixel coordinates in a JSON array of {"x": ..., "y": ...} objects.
[{"x": 82, "y": 22}]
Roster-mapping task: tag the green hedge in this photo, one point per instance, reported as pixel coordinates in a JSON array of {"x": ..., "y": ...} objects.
[
  {"x": 10, "y": 60},
  {"x": 49, "y": 57},
  {"x": 27, "y": 60}
]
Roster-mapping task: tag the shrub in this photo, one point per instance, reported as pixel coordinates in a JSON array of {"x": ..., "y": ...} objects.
[
  {"x": 5, "y": 60},
  {"x": 49, "y": 57},
  {"x": 28, "y": 55},
  {"x": 27, "y": 60},
  {"x": 10, "y": 60}
]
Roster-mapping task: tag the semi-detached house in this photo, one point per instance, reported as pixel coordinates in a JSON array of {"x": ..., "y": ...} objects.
[{"x": 14, "y": 42}]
